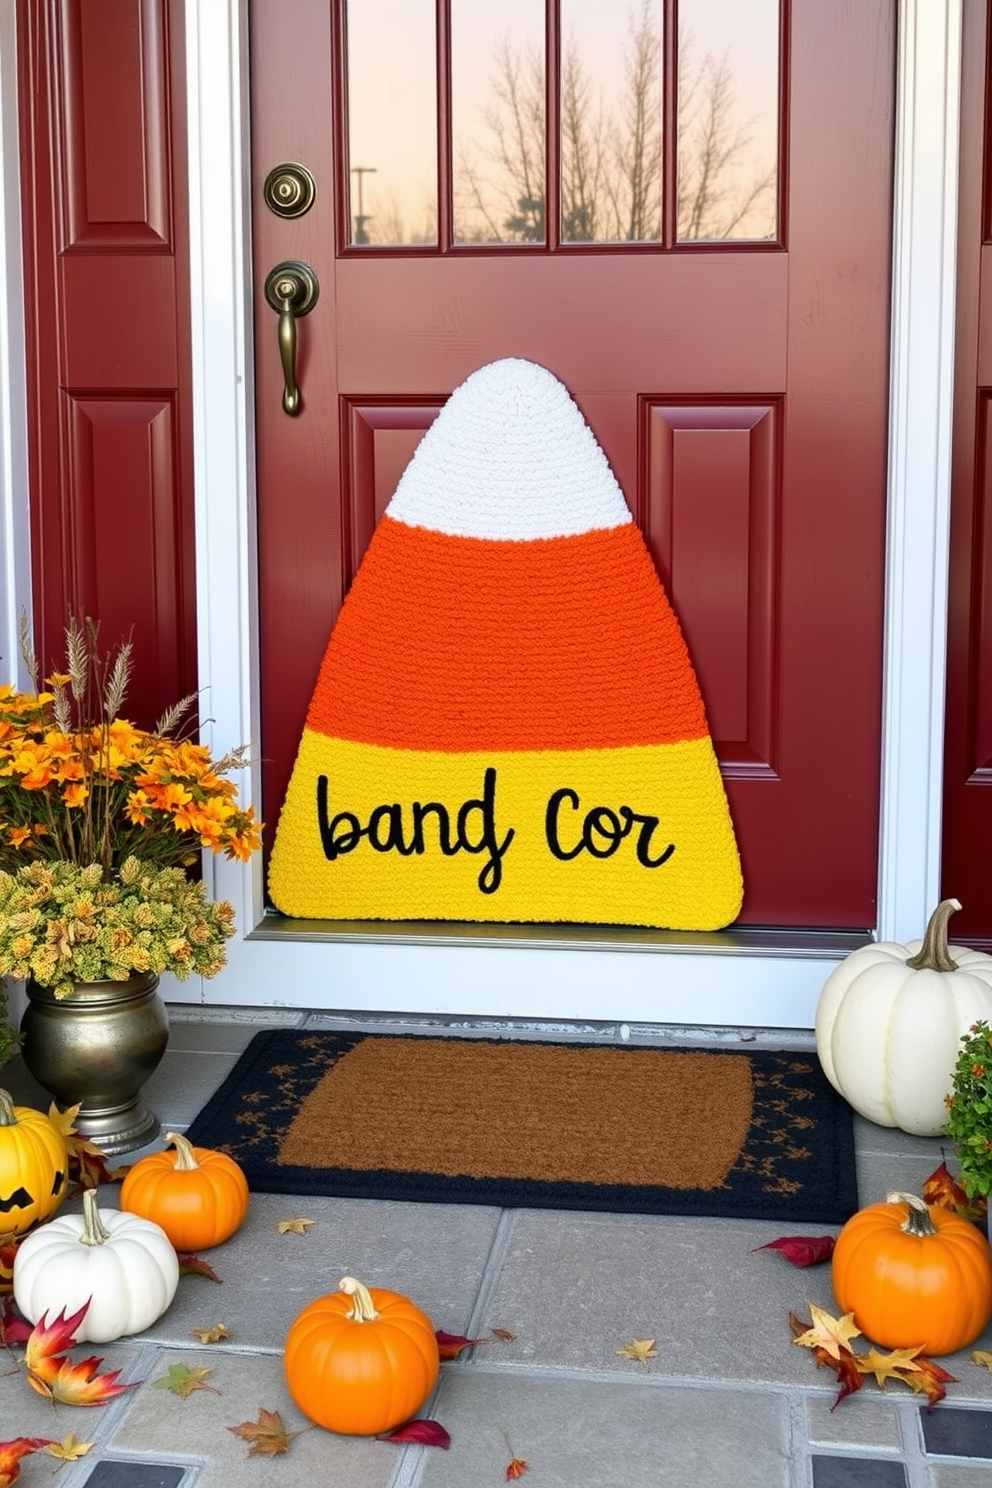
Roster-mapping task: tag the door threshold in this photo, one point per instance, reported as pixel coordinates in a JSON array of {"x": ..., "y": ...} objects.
[{"x": 742, "y": 940}]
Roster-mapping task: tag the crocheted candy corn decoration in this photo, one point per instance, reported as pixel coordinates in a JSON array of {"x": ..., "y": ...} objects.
[{"x": 506, "y": 724}]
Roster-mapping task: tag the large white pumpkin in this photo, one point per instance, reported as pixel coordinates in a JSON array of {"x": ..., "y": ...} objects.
[
  {"x": 124, "y": 1265},
  {"x": 889, "y": 1024}
]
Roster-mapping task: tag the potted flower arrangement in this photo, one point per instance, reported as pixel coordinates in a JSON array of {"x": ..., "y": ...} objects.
[
  {"x": 100, "y": 823},
  {"x": 969, "y": 1110}
]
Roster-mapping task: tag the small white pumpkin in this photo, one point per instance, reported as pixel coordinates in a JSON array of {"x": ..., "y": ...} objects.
[
  {"x": 124, "y": 1265},
  {"x": 889, "y": 1023}
]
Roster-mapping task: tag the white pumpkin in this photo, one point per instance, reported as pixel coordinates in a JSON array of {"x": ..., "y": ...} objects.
[
  {"x": 124, "y": 1265},
  {"x": 889, "y": 1024}
]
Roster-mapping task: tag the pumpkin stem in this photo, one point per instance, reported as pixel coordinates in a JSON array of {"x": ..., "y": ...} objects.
[
  {"x": 185, "y": 1156},
  {"x": 94, "y": 1230},
  {"x": 933, "y": 954},
  {"x": 7, "y": 1115},
  {"x": 364, "y": 1308},
  {"x": 918, "y": 1221}
]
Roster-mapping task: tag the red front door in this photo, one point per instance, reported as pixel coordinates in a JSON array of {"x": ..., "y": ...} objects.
[{"x": 687, "y": 222}]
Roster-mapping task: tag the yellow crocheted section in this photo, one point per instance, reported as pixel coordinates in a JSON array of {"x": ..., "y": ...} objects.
[{"x": 639, "y": 835}]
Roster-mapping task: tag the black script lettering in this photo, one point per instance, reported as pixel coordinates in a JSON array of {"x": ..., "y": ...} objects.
[
  {"x": 492, "y": 872},
  {"x": 443, "y": 827},
  {"x": 603, "y": 831},
  {"x": 342, "y": 833},
  {"x": 333, "y": 844},
  {"x": 648, "y": 824},
  {"x": 394, "y": 837},
  {"x": 551, "y": 824}
]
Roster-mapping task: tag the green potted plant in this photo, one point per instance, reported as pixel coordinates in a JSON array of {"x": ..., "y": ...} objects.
[
  {"x": 969, "y": 1110},
  {"x": 100, "y": 825}
]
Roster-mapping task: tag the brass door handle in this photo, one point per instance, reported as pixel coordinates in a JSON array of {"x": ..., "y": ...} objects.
[{"x": 291, "y": 289}]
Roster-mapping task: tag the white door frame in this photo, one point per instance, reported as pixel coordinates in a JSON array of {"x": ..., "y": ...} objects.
[{"x": 715, "y": 980}]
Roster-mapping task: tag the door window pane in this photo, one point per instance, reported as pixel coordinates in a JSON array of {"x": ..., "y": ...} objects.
[
  {"x": 611, "y": 121},
  {"x": 728, "y": 119},
  {"x": 392, "y": 122},
  {"x": 498, "y": 121}
]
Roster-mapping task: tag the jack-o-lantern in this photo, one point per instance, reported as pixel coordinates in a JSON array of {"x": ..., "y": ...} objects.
[{"x": 34, "y": 1167}]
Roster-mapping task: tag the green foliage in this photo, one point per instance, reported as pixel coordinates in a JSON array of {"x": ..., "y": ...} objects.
[
  {"x": 61, "y": 923},
  {"x": 9, "y": 1039},
  {"x": 969, "y": 1108}
]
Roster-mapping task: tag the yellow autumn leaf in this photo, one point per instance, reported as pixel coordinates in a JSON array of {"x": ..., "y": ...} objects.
[
  {"x": 68, "y": 1449},
  {"x": 294, "y": 1226},
  {"x": 211, "y": 1335},
  {"x": 829, "y": 1333},
  {"x": 639, "y": 1349},
  {"x": 983, "y": 1357},
  {"x": 893, "y": 1365}
]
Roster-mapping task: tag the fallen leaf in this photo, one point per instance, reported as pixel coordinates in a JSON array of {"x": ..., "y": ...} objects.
[
  {"x": 516, "y": 1469},
  {"x": 843, "y": 1362},
  {"x": 929, "y": 1378},
  {"x": 268, "y": 1435},
  {"x": 423, "y": 1433},
  {"x": 87, "y": 1162},
  {"x": 11, "y": 1453},
  {"x": 48, "y": 1343},
  {"x": 293, "y": 1227},
  {"x": 826, "y": 1332},
  {"x": 943, "y": 1189},
  {"x": 982, "y": 1356},
  {"x": 892, "y": 1365},
  {"x": 639, "y": 1349},
  {"x": 211, "y": 1335},
  {"x": 503, "y": 1334},
  {"x": 194, "y": 1265},
  {"x": 13, "y": 1328},
  {"x": 451, "y": 1345},
  {"x": 803, "y": 1250},
  {"x": 80, "y": 1384},
  {"x": 183, "y": 1379},
  {"x": 68, "y": 1449}
]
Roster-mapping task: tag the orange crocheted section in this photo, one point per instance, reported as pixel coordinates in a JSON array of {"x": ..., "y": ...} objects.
[{"x": 458, "y": 644}]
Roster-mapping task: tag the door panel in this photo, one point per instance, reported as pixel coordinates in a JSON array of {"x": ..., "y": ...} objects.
[
  {"x": 107, "y": 285},
  {"x": 968, "y": 741},
  {"x": 738, "y": 387}
]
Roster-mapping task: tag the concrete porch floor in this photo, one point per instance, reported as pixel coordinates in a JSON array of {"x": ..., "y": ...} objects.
[{"x": 729, "y": 1398}]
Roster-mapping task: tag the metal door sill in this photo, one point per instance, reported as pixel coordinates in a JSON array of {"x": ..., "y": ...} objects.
[{"x": 744, "y": 940}]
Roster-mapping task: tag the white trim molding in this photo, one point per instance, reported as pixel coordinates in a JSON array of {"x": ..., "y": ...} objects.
[{"x": 918, "y": 535}]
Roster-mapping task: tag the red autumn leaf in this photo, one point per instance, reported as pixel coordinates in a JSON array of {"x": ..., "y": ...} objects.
[
  {"x": 516, "y": 1469},
  {"x": 450, "y": 1345},
  {"x": 929, "y": 1378},
  {"x": 943, "y": 1188},
  {"x": 803, "y": 1250},
  {"x": 47, "y": 1343},
  {"x": 80, "y": 1384},
  {"x": 8, "y": 1250},
  {"x": 11, "y": 1453},
  {"x": 194, "y": 1265},
  {"x": 13, "y": 1328},
  {"x": 423, "y": 1433}
]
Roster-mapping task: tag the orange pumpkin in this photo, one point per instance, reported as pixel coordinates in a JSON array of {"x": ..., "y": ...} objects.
[
  {"x": 915, "y": 1276},
  {"x": 362, "y": 1360},
  {"x": 198, "y": 1196}
]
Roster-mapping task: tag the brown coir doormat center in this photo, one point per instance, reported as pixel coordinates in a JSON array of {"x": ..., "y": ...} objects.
[{"x": 529, "y": 1123}]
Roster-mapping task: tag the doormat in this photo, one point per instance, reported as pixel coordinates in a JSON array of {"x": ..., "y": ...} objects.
[{"x": 756, "y": 1135}]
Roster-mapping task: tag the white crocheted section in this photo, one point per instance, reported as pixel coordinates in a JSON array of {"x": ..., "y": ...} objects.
[{"x": 509, "y": 456}]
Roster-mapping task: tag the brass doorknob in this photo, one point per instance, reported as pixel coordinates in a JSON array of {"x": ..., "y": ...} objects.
[{"x": 291, "y": 289}]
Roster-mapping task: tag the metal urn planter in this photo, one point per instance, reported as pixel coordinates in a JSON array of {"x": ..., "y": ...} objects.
[{"x": 98, "y": 1047}]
